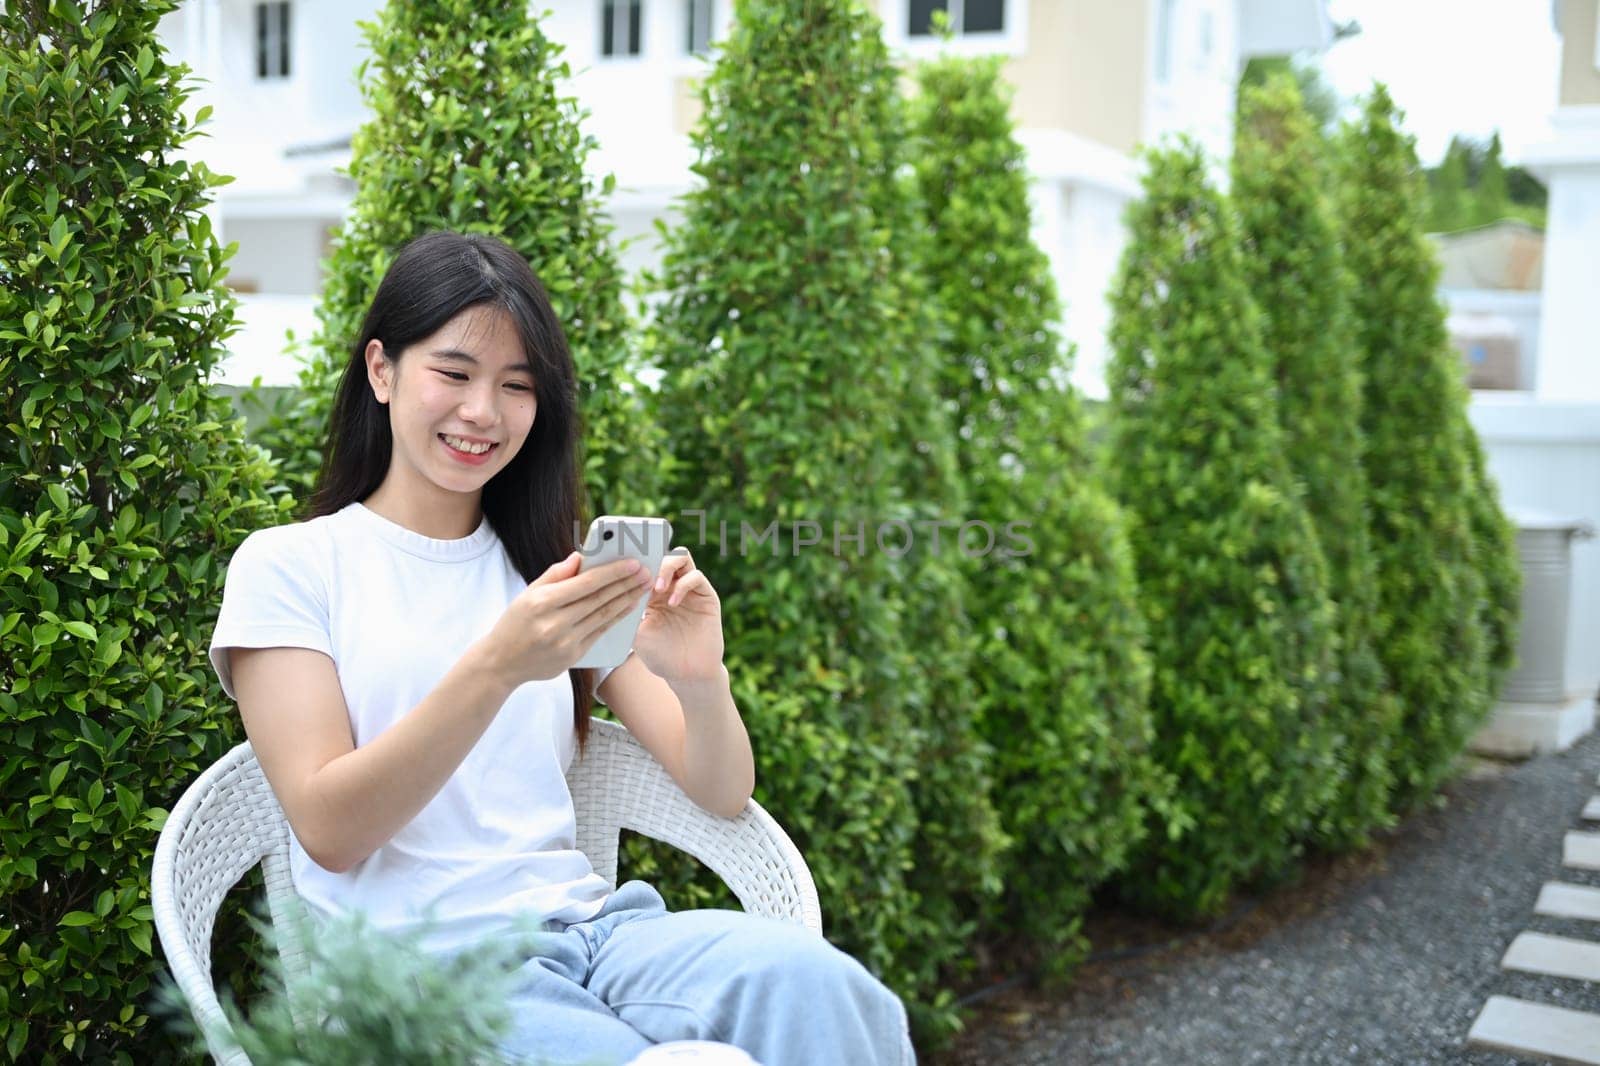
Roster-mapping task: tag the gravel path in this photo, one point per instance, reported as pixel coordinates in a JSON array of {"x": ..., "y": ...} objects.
[{"x": 1380, "y": 958}]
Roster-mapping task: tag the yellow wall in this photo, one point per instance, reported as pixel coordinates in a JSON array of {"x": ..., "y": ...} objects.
[
  {"x": 1084, "y": 71},
  {"x": 685, "y": 103},
  {"x": 1580, "y": 81}
]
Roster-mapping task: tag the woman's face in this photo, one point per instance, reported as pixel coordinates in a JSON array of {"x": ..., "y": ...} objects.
[{"x": 461, "y": 403}]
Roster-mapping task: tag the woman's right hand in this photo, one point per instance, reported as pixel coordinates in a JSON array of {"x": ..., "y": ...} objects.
[{"x": 553, "y": 622}]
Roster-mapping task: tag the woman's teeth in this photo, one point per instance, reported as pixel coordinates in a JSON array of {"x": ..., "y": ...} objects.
[{"x": 465, "y": 446}]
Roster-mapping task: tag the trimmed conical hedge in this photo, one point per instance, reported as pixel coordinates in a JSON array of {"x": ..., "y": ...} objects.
[
  {"x": 959, "y": 834},
  {"x": 1232, "y": 583},
  {"x": 776, "y": 335},
  {"x": 1062, "y": 667},
  {"x": 124, "y": 485},
  {"x": 1295, "y": 271},
  {"x": 471, "y": 131},
  {"x": 1494, "y": 542},
  {"x": 1431, "y": 593}
]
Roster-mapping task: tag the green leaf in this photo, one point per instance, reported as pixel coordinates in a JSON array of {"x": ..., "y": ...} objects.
[
  {"x": 81, "y": 630},
  {"x": 78, "y": 918}
]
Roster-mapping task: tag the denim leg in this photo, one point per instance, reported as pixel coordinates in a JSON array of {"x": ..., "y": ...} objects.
[
  {"x": 556, "y": 1020},
  {"x": 775, "y": 989}
]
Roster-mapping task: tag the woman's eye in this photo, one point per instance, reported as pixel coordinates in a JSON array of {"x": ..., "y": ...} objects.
[{"x": 454, "y": 375}]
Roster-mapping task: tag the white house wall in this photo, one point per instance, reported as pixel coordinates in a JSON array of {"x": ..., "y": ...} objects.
[
  {"x": 254, "y": 120},
  {"x": 628, "y": 97},
  {"x": 1570, "y": 330},
  {"x": 1197, "y": 97},
  {"x": 1545, "y": 457},
  {"x": 278, "y": 255},
  {"x": 278, "y": 207}
]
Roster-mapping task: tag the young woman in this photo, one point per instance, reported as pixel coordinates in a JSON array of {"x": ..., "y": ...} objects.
[{"x": 402, "y": 660}]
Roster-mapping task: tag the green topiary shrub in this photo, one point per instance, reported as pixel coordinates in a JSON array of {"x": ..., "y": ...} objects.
[
  {"x": 1232, "y": 583},
  {"x": 781, "y": 304},
  {"x": 1494, "y": 542},
  {"x": 1431, "y": 596},
  {"x": 123, "y": 487},
  {"x": 470, "y": 132},
  {"x": 1062, "y": 669},
  {"x": 959, "y": 834},
  {"x": 1295, "y": 270}
]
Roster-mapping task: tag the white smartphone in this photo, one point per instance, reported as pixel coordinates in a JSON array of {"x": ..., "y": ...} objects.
[{"x": 613, "y": 537}]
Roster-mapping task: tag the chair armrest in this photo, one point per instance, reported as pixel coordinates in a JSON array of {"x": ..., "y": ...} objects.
[
  {"x": 616, "y": 784},
  {"x": 225, "y": 823}
]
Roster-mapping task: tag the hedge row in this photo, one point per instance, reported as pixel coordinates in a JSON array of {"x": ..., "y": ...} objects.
[{"x": 1265, "y": 619}]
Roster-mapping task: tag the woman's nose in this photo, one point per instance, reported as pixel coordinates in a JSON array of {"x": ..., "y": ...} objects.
[{"x": 480, "y": 407}]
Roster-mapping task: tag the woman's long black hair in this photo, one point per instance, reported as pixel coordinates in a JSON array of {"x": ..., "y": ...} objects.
[{"x": 534, "y": 504}]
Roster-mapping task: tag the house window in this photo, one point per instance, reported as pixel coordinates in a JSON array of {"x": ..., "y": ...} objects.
[
  {"x": 1597, "y": 44},
  {"x": 1166, "y": 15},
  {"x": 619, "y": 27},
  {"x": 272, "y": 40},
  {"x": 699, "y": 18},
  {"x": 966, "y": 16}
]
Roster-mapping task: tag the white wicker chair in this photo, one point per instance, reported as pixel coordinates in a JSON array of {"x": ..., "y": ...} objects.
[{"x": 228, "y": 820}]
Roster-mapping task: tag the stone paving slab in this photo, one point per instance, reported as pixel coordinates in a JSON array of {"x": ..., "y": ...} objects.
[
  {"x": 1557, "y": 899},
  {"x": 1524, "y": 1028},
  {"x": 1555, "y": 956},
  {"x": 1591, "y": 810},
  {"x": 1581, "y": 850}
]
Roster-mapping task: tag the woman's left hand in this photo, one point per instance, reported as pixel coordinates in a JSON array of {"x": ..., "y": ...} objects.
[{"x": 680, "y": 636}]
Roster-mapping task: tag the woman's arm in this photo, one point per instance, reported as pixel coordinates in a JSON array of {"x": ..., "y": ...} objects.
[
  {"x": 673, "y": 693},
  {"x": 345, "y": 802},
  {"x": 693, "y": 729}
]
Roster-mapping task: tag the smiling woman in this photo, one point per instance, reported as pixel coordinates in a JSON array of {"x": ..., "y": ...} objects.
[
  {"x": 468, "y": 400},
  {"x": 404, "y": 662}
]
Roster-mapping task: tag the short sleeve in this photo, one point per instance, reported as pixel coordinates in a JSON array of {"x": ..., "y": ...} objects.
[
  {"x": 604, "y": 672},
  {"x": 273, "y": 597}
]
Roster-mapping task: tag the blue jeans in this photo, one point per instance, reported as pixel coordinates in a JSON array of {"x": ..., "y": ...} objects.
[{"x": 602, "y": 991}]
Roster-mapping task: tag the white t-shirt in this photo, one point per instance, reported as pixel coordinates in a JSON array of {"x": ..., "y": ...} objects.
[{"x": 395, "y": 610}]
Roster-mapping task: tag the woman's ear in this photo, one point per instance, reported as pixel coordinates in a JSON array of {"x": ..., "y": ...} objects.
[{"x": 380, "y": 371}]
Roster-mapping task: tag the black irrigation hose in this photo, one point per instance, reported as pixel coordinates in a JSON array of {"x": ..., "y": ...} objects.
[{"x": 1221, "y": 925}]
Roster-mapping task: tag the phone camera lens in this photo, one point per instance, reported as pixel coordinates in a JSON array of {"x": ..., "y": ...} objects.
[{"x": 608, "y": 534}]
